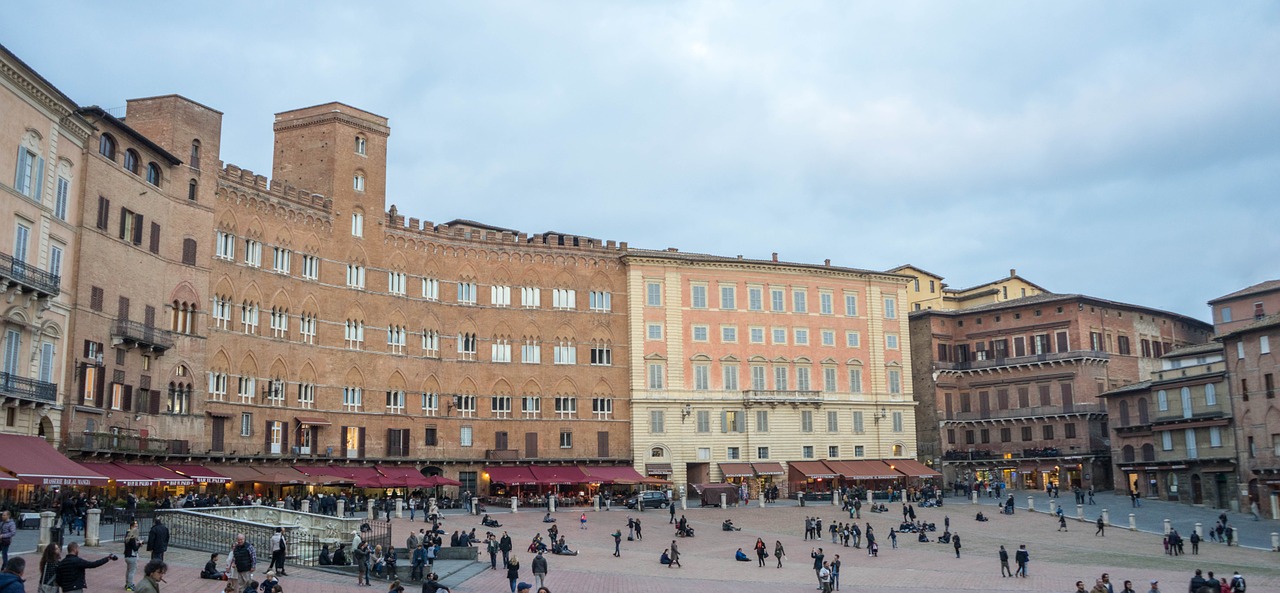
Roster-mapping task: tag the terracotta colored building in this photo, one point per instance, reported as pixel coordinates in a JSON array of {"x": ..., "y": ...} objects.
[
  {"x": 749, "y": 370},
  {"x": 1009, "y": 391}
]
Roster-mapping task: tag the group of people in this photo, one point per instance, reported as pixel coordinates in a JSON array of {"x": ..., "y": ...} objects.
[{"x": 1200, "y": 583}]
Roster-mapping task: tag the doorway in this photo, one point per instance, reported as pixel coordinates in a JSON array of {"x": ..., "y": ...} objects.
[{"x": 1197, "y": 494}]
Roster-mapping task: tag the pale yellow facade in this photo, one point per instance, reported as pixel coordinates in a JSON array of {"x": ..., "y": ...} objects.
[{"x": 926, "y": 290}]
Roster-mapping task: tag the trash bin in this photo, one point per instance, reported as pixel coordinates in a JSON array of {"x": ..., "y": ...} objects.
[{"x": 55, "y": 535}]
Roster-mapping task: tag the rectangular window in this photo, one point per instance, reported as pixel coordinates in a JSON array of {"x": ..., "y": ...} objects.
[
  {"x": 566, "y": 439},
  {"x": 60, "y": 202},
  {"x": 1166, "y": 440},
  {"x": 431, "y": 289},
  {"x": 500, "y": 351},
  {"x": 357, "y": 219},
  {"x": 779, "y": 335},
  {"x": 566, "y": 407},
  {"x": 352, "y": 399},
  {"x": 654, "y": 331},
  {"x": 395, "y": 402},
  {"x": 601, "y": 355},
  {"x": 799, "y": 301},
  {"x": 833, "y": 422},
  {"x": 431, "y": 437},
  {"x": 246, "y": 424},
  {"x": 851, "y": 305},
  {"x": 780, "y": 378},
  {"x": 1069, "y": 430},
  {"x": 826, "y": 303},
  {"x": 530, "y": 297},
  {"x": 829, "y": 379},
  {"x": 756, "y": 335},
  {"x": 565, "y": 353},
  {"x": 602, "y": 407},
  {"x": 729, "y": 374},
  {"x": 833, "y": 451},
  {"x": 464, "y": 436},
  {"x": 728, "y": 298},
  {"x": 564, "y": 298},
  {"x": 1047, "y": 432},
  {"x": 431, "y": 342},
  {"x": 704, "y": 421},
  {"x": 802, "y": 336},
  {"x": 657, "y": 374},
  {"x": 225, "y": 246},
  {"x": 732, "y": 453},
  {"x": 700, "y": 333},
  {"x": 500, "y": 407},
  {"x": 467, "y": 293},
  {"x": 500, "y": 296},
  {"x": 1215, "y": 436},
  {"x": 895, "y": 381},
  {"x": 728, "y": 334},
  {"x": 890, "y": 309},
  {"x": 806, "y": 421},
  {"x": 653, "y": 294},
  {"x": 656, "y": 424},
  {"x": 777, "y": 300},
  {"x": 857, "y": 423},
  {"x": 755, "y": 298},
  {"x": 762, "y": 452},
  {"x": 601, "y": 301},
  {"x": 466, "y": 405},
  {"x": 806, "y": 451},
  {"x": 430, "y": 403},
  {"x": 828, "y": 337},
  {"x": 252, "y": 253},
  {"x": 531, "y": 352},
  {"x": 698, "y": 296},
  {"x": 758, "y": 378},
  {"x": 397, "y": 283},
  {"x": 1264, "y": 344},
  {"x": 701, "y": 377},
  {"x": 855, "y": 380},
  {"x": 280, "y": 260},
  {"x": 310, "y": 267},
  {"x": 762, "y": 420},
  {"x": 852, "y": 339},
  {"x": 891, "y": 341},
  {"x": 355, "y": 276},
  {"x": 859, "y": 451},
  {"x": 897, "y": 422}
]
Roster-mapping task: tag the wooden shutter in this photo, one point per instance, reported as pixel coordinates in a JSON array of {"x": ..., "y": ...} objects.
[
  {"x": 404, "y": 442},
  {"x": 531, "y": 445},
  {"x": 101, "y": 386},
  {"x": 189, "y": 252},
  {"x": 1024, "y": 397},
  {"x": 391, "y": 441},
  {"x": 1002, "y": 399},
  {"x": 724, "y": 422},
  {"x": 96, "y": 298},
  {"x": 361, "y": 451},
  {"x": 127, "y": 404},
  {"x": 104, "y": 212},
  {"x": 984, "y": 403},
  {"x": 315, "y": 439},
  {"x": 342, "y": 437},
  {"x": 155, "y": 400},
  {"x": 155, "y": 238},
  {"x": 1045, "y": 399},
  {"x": 602, "y": 443},
  {"x": 266, "y": 439},
  {"x": 122, "y": 309},
  {"x": 284, "y": 439},
  {"x": 948, "y": 398},
  {"x": 1062, "y": 342},
  {"x": 149, "y": 316},
  {"x": 219, "y": 428},
  {"x": 1019, "y": 346},
  {"x": 1068, "y": 398},
  {"x": 137, "y": 229}
]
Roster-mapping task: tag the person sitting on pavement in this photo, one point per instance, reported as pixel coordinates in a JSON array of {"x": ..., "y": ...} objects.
[
  {"x": 728, "y": 526},
  {"x": 665, "y": 558},
  {"x": 561, "y": 548},
  {"x": 547, "y": 518},
  {"x": 741, "y": 556},
  {"x": 923, "y": 538},
  {"x": 340, "y": 556},
  {"x": 981, "y": 517},
  {"x": 488, "y": 521},
  {"x": 211, "y": 571}
]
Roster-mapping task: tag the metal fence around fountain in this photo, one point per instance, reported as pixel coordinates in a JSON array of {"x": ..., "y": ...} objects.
[{"x": 211, "y": 530}]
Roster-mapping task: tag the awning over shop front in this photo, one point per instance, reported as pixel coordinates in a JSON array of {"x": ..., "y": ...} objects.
[
  {"x": 200, "y": 473},
  {"x": 912, "y": 468},
  {"x": 285, "y": 475},
  {"x": 361, "y": 477},
  {"x": 768, "y": 468},
  {"x": 658, "y": 469},
  {"x": 623, "y": 474},
  {"x": 32, "y": 460},
  {"x": 864, "y": 470},
  {"x": 403, "y": 477},
  {"x": 313, "y": 421},
  {"x": 512, "y": 475},
  {"x": 121, "y": 476},
  {"x": 161, "y": 475},
  {"x": 737, "y": 470},
  {"x": 559, "y": 474},
  {"x": 239, "y": 473},
  {"x": 811, "y": 470}
]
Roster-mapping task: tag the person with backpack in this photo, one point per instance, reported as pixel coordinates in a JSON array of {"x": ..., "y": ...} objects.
[{"x": 1237, "y": 583}]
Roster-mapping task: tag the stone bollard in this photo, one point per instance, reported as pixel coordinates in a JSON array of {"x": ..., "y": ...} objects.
[
  {"x": 1031, "y": 504},
  {"x": 1275, "y": 542},
  {"x": 306, "y": 506},
  {"x": 835, "y": 498},
  {"x": 1275, "y": 506},
  {"x": 761, "y": 499},
  {"x": 515, "y": 504},
  {"x": 1080, "y": 512},
  {"x": 684, "y": 502},
  {"x": 1053, "y": 506},
  {"x": 279, "y": 504},
  {"x": 342, "y": 509},
  {"x": 1168, "y": 526},
  {"x": 399, "y": 508},
  {"x": 595, "y": 503},
  {"x": 724, "y": 500},
  {"x": 1198, "y": 530},
  {"x": 1106, "y": 517},
  {"x": 551, "y": 504},
  {"x": 1133, "y": 522},
  {"x": 91, "y": 525},
  {"x": 369, "y": 504},
  {"x": 46, "y": 524},
  {"x": 974, "y": 499},
  {"x": 475, "y": 505}
]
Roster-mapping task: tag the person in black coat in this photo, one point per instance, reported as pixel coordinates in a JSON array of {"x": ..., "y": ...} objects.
[
  {"x": 158, "y": 540},
  {"x": 70, "y": 571}
]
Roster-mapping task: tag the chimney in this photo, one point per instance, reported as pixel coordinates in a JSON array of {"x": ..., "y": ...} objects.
[
  {"x": 1013, "y": 272},
  {"x": 826, "y": 262},
  {"x": 775, "y": 256}
]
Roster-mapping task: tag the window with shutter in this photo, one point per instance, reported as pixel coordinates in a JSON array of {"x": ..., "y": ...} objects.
[
  {"x": 362, "y": 442},
  {"x": 1045, "y": 399},
  {"x": 149, "y": 316},
  {"x": 343, "y": 437},
  {"x": 602, "y": 444},
  {"x": 155, "y": 401},
  {"x": 155, "y": 238},
  {"x": 96, "y": 296},
  {"x": 122, "y": 311},
  {"x": 104, "y": 213},
  {"x": 189, "y": 252}
]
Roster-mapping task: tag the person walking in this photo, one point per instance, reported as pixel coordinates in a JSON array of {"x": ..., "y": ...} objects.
[
  {"x": 1102, "y": 528},
  {"x": 513, "y": 571},
  {"x": 1195, "y": 542},
  {"x": 824, "y": 577},
  {"x": 761, "y": 551},
  {"x": 539, "y": 566},
  {"x": 955, "y": 542},
  {"x": 49, "y": 566},
  {"x": 504, "y": 545},
  {"x": 835, "y": 573},
  {"x": 1021, "y": 558},
  {"x": 672, "y": 508},
  {"x": 1004, "y": 563},
  {"x": 639, "y": 535},
  {"x": 70, "y": 571},
  {"x": 243, "y": 558},
  {"x": 582, "y": 521},
  {"x": 131, "y": 547},
  {"x": 1062, "y": 522},
  {"x": 278, "y": 545},
  {"x": 1091, "y": 495},
  {"x": 675, "y": 556},
  {"x": 617, "y": 543},
  {"x": 491, "y": 546},
  {"x": 158, "y": 540},
  {"x": 11, "y": 578},
  {"x": 893, "y": 538},
  {"x": 8, "y": 529}
]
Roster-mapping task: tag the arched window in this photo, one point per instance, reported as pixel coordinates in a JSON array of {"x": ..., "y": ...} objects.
[
  {"x": 153, "y": 174},
  {"x": 1143, "y": 415},
  {"x": 357, "y": 182},
  {"x": 362, "y": 145},
  {"x": 1124, "y": 413},
  {"x": 1148, "y": 452},
  {"x": 1185, "y": 392},
  {"x": 131, "y": 161},
  {"x": 657, "y": 452},
  {"x": 107, "y": 146},
  {"x": 897, "y": 450},
  {"x": 1126, "y": 454},
  {"x": 192, "y": 186},
  {"x": 194, "y": 161}
]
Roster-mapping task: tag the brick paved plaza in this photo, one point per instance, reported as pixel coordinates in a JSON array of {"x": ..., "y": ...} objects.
[{"x": 1058, "y": 559}]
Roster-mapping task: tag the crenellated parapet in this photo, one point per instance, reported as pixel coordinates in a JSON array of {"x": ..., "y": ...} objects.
[{"x": 478, "y": 235}]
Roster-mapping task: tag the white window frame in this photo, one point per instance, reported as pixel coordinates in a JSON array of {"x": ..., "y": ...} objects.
[
  {"x": 225, "y": 246},
  {"x": 500, "y": 296},
  {"x": 431, "y": 289},
  {"x": 467, "y": 293},
  {"x": 397, "y": 283},
  {"x": 601, "y": 300},
  {"x": 531, "y": 352},
  {"x": 500, "y": 350},
  {"x": 310, "y": 267},
  {"x": 252, "y": 253},
  {"x": 530, "y": 297},
  {"x": 564, "y": 299},
  {"x": 281, "y": 260},
  {"x": 355, "y": 276}
]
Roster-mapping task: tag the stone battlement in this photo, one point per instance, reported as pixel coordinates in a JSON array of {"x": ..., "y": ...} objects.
[
  {"x": 467, "y": 230},
  {"x": 276, "y": 189}
]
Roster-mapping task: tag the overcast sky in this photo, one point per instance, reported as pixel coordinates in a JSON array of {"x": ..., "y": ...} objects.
[{"x": 1128, "y": 151}]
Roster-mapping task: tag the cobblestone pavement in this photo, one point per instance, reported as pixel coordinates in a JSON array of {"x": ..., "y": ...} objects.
[{"x": 1058, "y": 559}]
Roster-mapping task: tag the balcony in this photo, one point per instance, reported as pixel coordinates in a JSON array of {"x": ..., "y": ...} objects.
[
  {"x": 756, "y": 396},
  {"x": 1037, "y": 412},
  {"x": 28, "y": 277},
  {"x": 502, "y": 454},
  {"x": 1034, "y": 360},
  {"x": 134, "y": 333},
  {"x": 28, "y": 389},
  {"x": 127, "y": 443}
]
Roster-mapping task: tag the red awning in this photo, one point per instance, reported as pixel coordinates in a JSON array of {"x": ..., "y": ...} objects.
[
  {"x": 811, "y": 470},
  {"x": 121, "y": 476},
  {"x": 622, "y": 474},
  {"x": 737, "y": 470},
  {"x": 559, "y": 474},
  {"x": 329, "y": 474},
  {"x": 285, "y": 475},
  {"x": 769, "y": 468},
  {"x": 239, "y": 473},
  {"x": 912, "y": 468},
  {"x": 403, "y": 477},
  {"x": 200, "y": 473},
  {"x": 433, "y": 481},
  {"x": 658, "y": 469},
  {"x": 863, "y": 470},
  {"x": 162, "y": 476},
  {"x": 510, "y": 475},
  {"x": 34, "y": 461}
]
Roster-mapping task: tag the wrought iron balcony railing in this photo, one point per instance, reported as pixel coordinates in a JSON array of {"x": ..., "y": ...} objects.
[
  {"x": 134, "y": 332},
  {"x": 31, "y": 389},
  {"x": 29, "y": 276}
]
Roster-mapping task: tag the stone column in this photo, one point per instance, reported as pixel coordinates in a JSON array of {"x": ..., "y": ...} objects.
[
  {"x": 595, "y": 503},
  {"x": 1133, "y": 522},
  {"x": 684, "y": 502},
  {"x": 551, "y": 504},
  {"x": 1106, "y": 517},
  {"x": 46, "y": 523},
  {"x": 1053, "y": 506},
  {"x": 1275, "y": 542},
  {"x": 475, "y": 505},
  {"x": 342, "y": 508},
  {"x": 1168, "y": 526},
  {"x": 1199, "y": 529},
  {"x": 1031, "y": 504},
  {"x": 91, "y": 525},
  {"x": 868, "y": 496},
  {"x": 724, "y": 500},
  {"x": 399, "y": 508},
  {"x": 369, "y": 509},
  {"x": 1275, "y": 506},
  {"x": 1080, "y": 512},
  {"x": 761, "y": 499},
  {"x": 306, "y": 505},
  {"x": 515, "y": 504}
]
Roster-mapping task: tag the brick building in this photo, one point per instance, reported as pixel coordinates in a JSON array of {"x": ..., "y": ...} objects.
[
  {"x": 42, "y": 141},
  {"x": 741, "y": 365},
  {"x": 1252, "y": 368},
  {"x": 1173, "y": 434},
  {"x": 1008, "y": 391}
]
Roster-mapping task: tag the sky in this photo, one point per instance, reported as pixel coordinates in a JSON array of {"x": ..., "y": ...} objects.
[{"x": 1129, "y": 151}]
